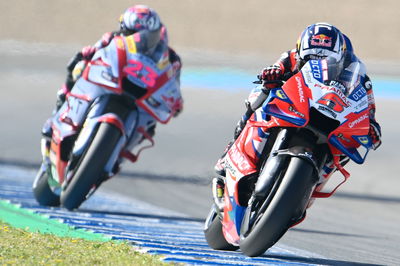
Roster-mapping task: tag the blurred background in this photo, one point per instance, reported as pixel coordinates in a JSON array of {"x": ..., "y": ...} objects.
[
  {"x": 223, "y": 44},
  {"x": 229, "y": 38}
]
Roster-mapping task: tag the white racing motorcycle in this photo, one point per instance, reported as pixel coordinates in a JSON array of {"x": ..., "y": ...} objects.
[{"x": 105, "y": 118}]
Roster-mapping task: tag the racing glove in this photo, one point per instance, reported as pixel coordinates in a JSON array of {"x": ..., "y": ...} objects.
[
  {"x": 88, "y": 52},
  {"x": 271, "y": 73}
]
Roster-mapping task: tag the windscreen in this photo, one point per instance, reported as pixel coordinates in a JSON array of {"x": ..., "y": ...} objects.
[{"x": 348, "y": 76}]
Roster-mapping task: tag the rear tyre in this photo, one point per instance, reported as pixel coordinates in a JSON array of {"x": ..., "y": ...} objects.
[
  {"x": 90, "y": 170},
  {"x": 213, "y": 233},
  {"x": 42, "y": 191},
  {"x": 287, "y": 206}
]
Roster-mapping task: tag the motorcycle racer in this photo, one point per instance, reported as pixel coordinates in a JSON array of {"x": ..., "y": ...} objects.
[
  {"x": 151, "y": 39},
  {"x": 317, "y": 41},
  {"x": 136, "y": 19}
]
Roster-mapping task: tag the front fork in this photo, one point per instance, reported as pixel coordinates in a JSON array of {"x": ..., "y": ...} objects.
[
  {"x": 280, "y": 154},
  {"x": 273, "y": 164}
]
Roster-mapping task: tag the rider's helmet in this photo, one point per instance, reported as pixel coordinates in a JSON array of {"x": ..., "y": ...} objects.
[
  {"x": 141, "y": 18},
  {"x": 138, "y": 18},
  {"x": 319, "y": 41}
]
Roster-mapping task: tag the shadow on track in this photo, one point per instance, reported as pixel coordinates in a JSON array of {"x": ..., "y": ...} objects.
[
  {"x": 197, "y": 180},
  {"x": 317, "y": 261},
  {"x": 308, "y": 231},
  {"x": 148, "y": 216}
]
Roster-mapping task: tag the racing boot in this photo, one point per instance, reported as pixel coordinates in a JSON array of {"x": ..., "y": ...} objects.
[
  {"x": 218, "y": 186},
  {"x": 45, "y": 142},
  {"x": 219, "y": 167}
]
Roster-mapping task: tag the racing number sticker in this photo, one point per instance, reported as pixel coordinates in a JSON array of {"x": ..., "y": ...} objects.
[
  {"x": 143, "y": 72},
  {"x": 333, "y": 101}
]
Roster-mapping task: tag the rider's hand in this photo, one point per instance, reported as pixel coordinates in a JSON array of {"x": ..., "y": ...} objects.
[
  {"x": 88, "y": 52},
  {"x": 375, "y": 134},
  {"x": 106, "y": 38},
  {"x": 271, "y": 73}
]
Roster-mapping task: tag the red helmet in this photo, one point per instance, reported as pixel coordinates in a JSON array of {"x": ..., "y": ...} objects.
[{"x": 138, "y": 18}]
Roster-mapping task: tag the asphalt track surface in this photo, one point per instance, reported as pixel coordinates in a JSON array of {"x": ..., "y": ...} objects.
[
  {"x": 149, "y": 228},
  {"x": 359, "y": 225}
]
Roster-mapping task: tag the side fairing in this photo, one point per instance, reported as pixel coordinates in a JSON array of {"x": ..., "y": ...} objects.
[
  {"x": 159, "y": 78},
  {"x": 346, "y": 104}
]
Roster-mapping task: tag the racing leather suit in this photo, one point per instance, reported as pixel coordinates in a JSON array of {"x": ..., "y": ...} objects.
[{"x": 289, "y": 65}]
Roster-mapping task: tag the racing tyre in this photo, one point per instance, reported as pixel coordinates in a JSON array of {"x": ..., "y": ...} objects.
[
  {"x": 213, "y": 233},
  {"x": 90, "y": 170},
  {"x": 286, "y": 207},
  {"x": 42, "y": 191}
]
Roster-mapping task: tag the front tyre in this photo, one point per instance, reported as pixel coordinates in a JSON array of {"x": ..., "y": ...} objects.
[
  {"x": 42, "y": 191},
  {"x": 287, "y": 206},
  {"x": 90, "y": 170},
  {"x": 213, "y": 233}
]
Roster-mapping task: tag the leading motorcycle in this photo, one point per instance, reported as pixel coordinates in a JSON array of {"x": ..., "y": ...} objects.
[
  {"x": 106, "y": 118},
  {"x": 307, "y": 128}
]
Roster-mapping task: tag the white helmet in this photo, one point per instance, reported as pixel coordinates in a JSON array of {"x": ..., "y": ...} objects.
[
  {"x": 138, "y": 18},
  {"x": 319, "y": 41}
]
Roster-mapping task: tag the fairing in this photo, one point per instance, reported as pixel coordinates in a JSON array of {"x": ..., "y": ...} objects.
[
  {"x": 86, "y": 104},
  {"x": 322, "y": 86}
]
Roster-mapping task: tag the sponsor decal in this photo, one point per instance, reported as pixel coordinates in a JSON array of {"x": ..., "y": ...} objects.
[
  {"x": 363, "y": 140},
  {"x": 119, "y": 43},
  {"x": 358, "y": 93},
  {"x": 307, "y": 77},
  {"x": 291, "y": 109},
  {"x": 338, "y": 85},
  {"x": 321, "y": 40},
  {"x": 281, "y": 94},
  {"x": 323, "y": 108},
  {"x": 340, "y": 136},
  {"x": 131, "y": 44},
  {"x": 316, "y": 69},
  {"x": 300, "y": 89},
  {"x": 363, "y": 104},
  {"x": 238, "y": 158},
  {"x": 358, "y": 120},
  {"x": 229, "y": 167}
]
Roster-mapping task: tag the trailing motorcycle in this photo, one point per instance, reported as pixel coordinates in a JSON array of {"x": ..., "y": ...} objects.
[
  {"x": 106, "y": 118},
  {"x": 306, "y": 129}
]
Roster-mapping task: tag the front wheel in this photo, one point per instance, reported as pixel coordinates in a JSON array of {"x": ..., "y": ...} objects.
[
  {"x": 213, "y": 233},
  {"x": 287, "y": 206},
  {"x": 90, "y": 170},
  {"x": 42, "y": 191}
]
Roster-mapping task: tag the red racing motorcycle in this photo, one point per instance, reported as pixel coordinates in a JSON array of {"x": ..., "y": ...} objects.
[{"x": 306, "y": 129}]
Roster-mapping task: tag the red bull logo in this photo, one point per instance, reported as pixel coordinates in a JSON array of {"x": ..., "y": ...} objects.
[{"x": 321, "y": 40}]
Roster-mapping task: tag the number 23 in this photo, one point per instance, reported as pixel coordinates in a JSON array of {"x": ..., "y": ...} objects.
[{"x": 148, "y": 75}]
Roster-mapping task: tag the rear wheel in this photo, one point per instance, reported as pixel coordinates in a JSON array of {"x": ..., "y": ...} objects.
[
  {"x": 42, "y": 191},
  {"x": 213, "y": 233},
  {"x": 286, "y": 206},
  {"x": 89, "y": 172}
]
